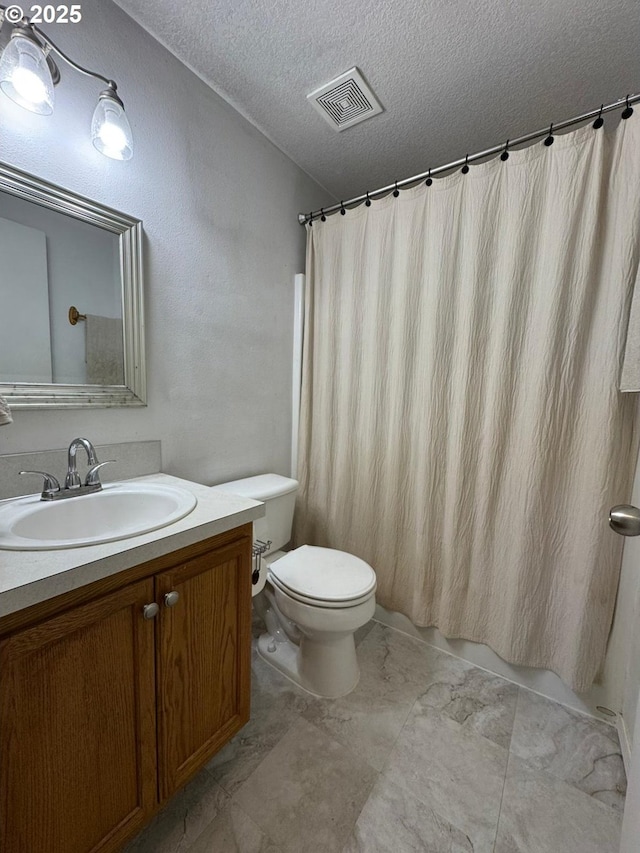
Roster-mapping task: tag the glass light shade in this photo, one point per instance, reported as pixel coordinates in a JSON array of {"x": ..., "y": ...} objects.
[
  {"x": 110, "y": 130},
  {"x": 25, "y": 76}
]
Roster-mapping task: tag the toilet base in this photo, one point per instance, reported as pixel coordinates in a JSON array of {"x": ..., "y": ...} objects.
[{"x": 328, "y": 670}]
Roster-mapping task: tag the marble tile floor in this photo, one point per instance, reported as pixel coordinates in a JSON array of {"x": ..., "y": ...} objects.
[{"x": 429, "y": 753}]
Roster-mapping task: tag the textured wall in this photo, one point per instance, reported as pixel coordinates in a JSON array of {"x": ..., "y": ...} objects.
[{"x": 219, "y": 204}]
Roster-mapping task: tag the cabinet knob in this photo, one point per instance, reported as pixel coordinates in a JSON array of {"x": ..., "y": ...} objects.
[
  {"x": 171, "y": 598},
  {"x": 150, "y": 611}
]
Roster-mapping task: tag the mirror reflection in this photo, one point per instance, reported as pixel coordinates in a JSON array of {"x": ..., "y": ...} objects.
[{"x": 51, "y": 263}]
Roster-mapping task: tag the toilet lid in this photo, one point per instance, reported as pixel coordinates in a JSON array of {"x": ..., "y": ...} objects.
[
  {"x": 318, "y": 603},
  {"x": 324, "y": 574}
]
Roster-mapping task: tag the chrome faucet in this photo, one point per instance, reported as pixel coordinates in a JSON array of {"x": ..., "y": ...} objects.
[
  {"x": 73, "y": 484},
  {"x": 72, "y": 480}
]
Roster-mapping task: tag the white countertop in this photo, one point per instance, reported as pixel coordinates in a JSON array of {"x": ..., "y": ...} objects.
[{"x": 29, "y": 577}]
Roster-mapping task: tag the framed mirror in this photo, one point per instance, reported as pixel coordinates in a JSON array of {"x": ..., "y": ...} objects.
[{"x": 71, "y": 300}]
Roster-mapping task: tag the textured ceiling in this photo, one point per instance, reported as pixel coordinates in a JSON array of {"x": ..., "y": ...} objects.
[{"x": 454, "y": 76}]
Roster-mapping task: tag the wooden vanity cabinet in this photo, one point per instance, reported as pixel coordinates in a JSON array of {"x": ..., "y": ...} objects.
[
  {"x": 203, "y": 660},
  {"x": 104, "y": 713},
  {"x": 77, "y": 727}
]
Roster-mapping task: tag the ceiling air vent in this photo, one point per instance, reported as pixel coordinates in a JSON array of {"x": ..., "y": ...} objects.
[{"x": 345, "y": 101}]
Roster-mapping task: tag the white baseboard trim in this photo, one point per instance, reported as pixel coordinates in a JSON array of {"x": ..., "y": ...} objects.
[{"x": 625, "y": 742}]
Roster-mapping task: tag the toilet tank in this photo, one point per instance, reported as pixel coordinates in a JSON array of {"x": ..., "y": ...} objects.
[{"x": 279, "y": 496}]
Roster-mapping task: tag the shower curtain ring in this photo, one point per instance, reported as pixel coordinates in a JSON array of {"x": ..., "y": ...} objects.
[
  {"x": 342, "y": 210},
  {"x": 505, "y": 153},
  {"x": 396, "y": 192},
  {"x": 428, "y": 182},
  {"x": 628, "y": 111},
  {"x": 465, "y": 168},
  {"x": 599, "y": 121},
  {"x": 368, "y": 201},
  {"x": 323, "y": 218},
  {"x": 549, "y": 140},
  {"x": 310, "y": 219}
]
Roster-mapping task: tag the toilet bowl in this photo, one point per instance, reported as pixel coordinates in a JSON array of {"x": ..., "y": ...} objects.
[
  {"x": 312, "y": 599},
  {"x": 327, "y": 595}
]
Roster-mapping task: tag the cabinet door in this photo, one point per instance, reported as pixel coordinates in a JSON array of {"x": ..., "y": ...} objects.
[
  {"x": 77, "y": 728},
  {"x": 203, "y": 648}
]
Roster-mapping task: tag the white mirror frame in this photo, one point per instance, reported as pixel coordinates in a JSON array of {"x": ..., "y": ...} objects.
[{"x": 28, "y": 395}]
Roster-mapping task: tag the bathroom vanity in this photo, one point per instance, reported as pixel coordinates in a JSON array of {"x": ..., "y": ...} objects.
[{"x": 123, "y": 668}]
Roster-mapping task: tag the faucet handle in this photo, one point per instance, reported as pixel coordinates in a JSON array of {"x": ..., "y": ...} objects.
[
  {"x": 51, "y": 485},
  {"x": 93, "y": 476}
]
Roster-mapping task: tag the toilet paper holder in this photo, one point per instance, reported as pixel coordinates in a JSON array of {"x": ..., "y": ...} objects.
[{"x": 258, "y": 549}]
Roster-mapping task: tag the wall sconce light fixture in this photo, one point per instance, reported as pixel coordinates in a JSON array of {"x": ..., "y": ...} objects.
[{"x": 28, "y": 75}]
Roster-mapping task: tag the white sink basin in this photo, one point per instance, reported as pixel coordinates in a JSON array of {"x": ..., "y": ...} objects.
[{"x": 120, "y": 510}]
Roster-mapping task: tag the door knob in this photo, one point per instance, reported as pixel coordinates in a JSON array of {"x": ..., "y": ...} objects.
[
  {"x": 150, "y": 611},
  {"x": 625, "y": 520},
  {"x": 171, "y": 598}
]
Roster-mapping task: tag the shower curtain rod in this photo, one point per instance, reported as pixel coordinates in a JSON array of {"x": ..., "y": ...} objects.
[{"x": 627, "y": 102}]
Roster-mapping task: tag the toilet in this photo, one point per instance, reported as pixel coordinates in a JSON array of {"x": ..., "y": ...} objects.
[{"x": 312, "y": 599}]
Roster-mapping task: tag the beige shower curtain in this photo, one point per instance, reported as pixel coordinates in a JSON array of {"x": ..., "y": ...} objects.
[{"x": 461, "y": 427}]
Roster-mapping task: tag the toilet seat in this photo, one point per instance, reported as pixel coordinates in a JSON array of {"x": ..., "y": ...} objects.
[
  {"x": 320, "y": 603},
  {"x": 323, "y": 577}
]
